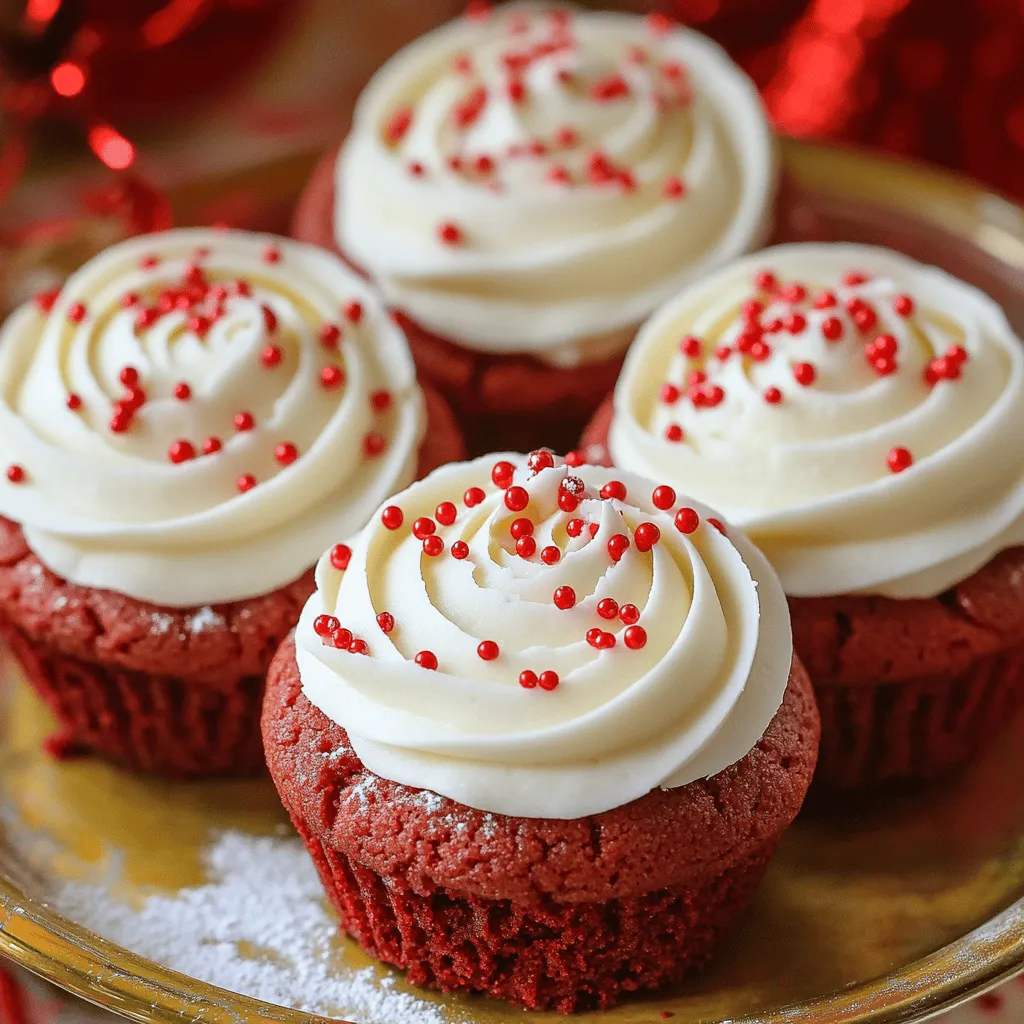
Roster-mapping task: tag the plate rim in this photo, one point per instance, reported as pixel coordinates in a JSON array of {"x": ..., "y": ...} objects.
[{"x": 43, "y": 941}]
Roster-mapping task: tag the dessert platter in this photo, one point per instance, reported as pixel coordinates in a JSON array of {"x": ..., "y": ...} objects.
[{"x": 539, "y": 741}]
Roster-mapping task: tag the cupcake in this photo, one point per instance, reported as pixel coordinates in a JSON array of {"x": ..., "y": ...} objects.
[
  {"x": 543, "y": 733},
  {"x": 861, "y": 417},
  {"x": 183, "y": 429},
  {"x": 525, "y": 186}
]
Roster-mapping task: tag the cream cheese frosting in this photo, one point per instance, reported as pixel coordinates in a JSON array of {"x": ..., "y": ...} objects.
[
  {"x": 858, "y": 414},
  {"x": 539, "y": 178},
  {"x": 453, "y": 654},
  {"x": 198, "y": 413}
]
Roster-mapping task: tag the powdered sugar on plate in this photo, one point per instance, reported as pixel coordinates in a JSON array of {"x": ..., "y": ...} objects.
[{"x": 258, "y": 927}]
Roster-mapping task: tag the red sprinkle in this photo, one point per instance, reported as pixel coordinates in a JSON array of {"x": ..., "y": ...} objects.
[
  {"x": 269, "y": 319},
  {"x": 516, "y": 90},
  {"x": 772, "y": 396},
  {"x": 516, "y": 499},
  {"x": 423, "y": 527},
  {"x": 539, "y": 460},
  {"x": 826, "y": 300},
  {"x": 687, "y": 520},
  {"x": 547, "y": 680},
  {"x": 129, "y": 376},
  {"x": 521, "y": 528},
  {"x": 446, "y": 513},
  {"x": 565, "y": 598},
  {"x": 574, "y": 459},
  {"x": 805, "y": 374},
  {"x": 182, "y": 392},
  {"x": 244, "y": 421},
  {"x": 16, "y": 474},
  {"x": 674, "y": 188},
  {"x": 663, "y": 497},
  {"x": 45, "y": 301},
  {"x": 330, "y": 334},
  {"x": 691, "y": 347},
  {"x": 669, "y": 394},
  {"x": 635, "y": 637},
  {"x": 353, "y": 311},
  {"x": 613, "y": 87},
  {"x": 76, "y": 312},
  {"x": 567, "y": 502},
  {"x": 673, "y": 432},
  {"x": 502, "y": 473},
  {"x": 211, "y": 445},
  {"x": 398, "y": 125},
  {"x": 450, "y": 233},
  {"x": 181, "y": 451},
  {"x": 392, "y": 517},
  {"x": 718, "y": 525},
  {"x": 271, "y": 254},
  {"x": 765, "y": 281},
  {"x": 574, "y": 527},
  {"x": 528, "y": 680},
  {"x": 646, "y": 536},
  {"x": 832, "y": 328},
  {"x": 659, "y": 23},
  {"x": 358, "y": 646},
  {"x": 526, "y": 547},
  {"x": 374, "y": 443},
  {"x": 614, "y": 489},
  {"x": 341, "y": 638},
  {"x": 271, "y": 356},
  {"x": 427, "y": 659},
  {"x": 386, "y": 621},
  {"x": 246, "y": 482},
  {"x": 617, "y": 546},
  {"x": 899, "y": 459},
  {"x": 460, "y": 550},
  {"x": 325, "y": 624},
  {"x": 433, "y": 546},
  {"x": 608, "y": 608},
  {"x": 341, "y": 555},
  {"x": 74, "y": 402},
  {"x": 567, "y": 137},
  {"x": 854, "y": 278},
  {"x": 903, "y": 305},
  {"x": 550, "y": 555},
  {"x": 488, "y": 650},
  {"x": 473, "y": 496},
  {"x": 286, "y": 453},
  {"x": 629, "y": 614},
  {"x": 331, "y": 377}
]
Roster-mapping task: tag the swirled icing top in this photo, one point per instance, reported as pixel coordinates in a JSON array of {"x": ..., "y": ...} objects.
[
  {"x": 542, "y": 641},
  {"x": 860, "y": 415},
  {"x": 198, "y": 413},
  {"x": 538, "y": 178}
]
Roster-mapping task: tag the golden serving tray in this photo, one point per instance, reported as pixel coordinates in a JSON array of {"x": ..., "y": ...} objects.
[{"x": 885, "y": 914}]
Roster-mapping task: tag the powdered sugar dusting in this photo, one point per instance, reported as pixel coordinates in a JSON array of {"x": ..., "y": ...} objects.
[{"x": 258, "y": 927}]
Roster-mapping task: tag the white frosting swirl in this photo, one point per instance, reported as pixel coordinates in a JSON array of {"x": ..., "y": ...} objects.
[
  {"x": 809, "y": 477},
  {"x": 569, "y": 130},
  {"x": 621, "y": 721},
  {"x": 104, "y": 505}
]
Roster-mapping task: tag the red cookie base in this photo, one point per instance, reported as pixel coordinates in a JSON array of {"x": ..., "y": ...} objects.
[
  {"x": 101, "y": 660},
  {"x": 548, "y": 914},
  {"x": 504, "y": 402},
  {"x": 908, "y": 691}
]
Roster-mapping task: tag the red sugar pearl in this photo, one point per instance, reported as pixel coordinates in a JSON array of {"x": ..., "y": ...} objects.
[
  {"x": 903, "y": 305},
  {"x": 723, "y": 351},
  {"x": 805, "y": 374},
  {"x": 271, "y": 356},
  {"x": 286, "y": 453},
  {"x": 516, "y": 499},
  {"x": 181, "y": 451},
  {"x": 386, "y": 621},
  {"x": 433, "y": 546},
  {"x": 121, "y": 420},
  {"x": 687, "y": 520},
  {"x": 567, "y": 502},
  {"x": 128, "y": 300},
  {"x": 330, "y": 335},
  {"x": 635, "y": 637},
  {"x": 593, "y": 528},
  {"x": 794, "y": 293},
  {"x": 246, "y": 482},
  {"x": 427, "y": 659},
  {"x": 673, "y": 433},
  {"x": 526, "y": 547},
  {"x": 358, "y": 646},
  {"x": 502, "y": 474},
  {"x": 244, "y": 421},
  {"x": 550, "y": 555},
  {"x": 565, "y": 598},
  {"x": 211, "y": 445},
  {"x": 16, "y": 474},
  {"x": 574, "y": 459},
  {"x": 45, "y": 301},
  {"x": 854, "y": 278},
  {"x": 488, "y": 650},
  {"x": 669, "y": 394},
  {"x": 380, "y": 400},
  {"x": 129, "y": 376},
  {"x": 899, "y": 459},
  {"x": 74, "y": 402},
  {"x": 883, "y": 366},
  {"x": 605, "y": 640},
  {"x": 521, "y": 528},
  {"x": 663, "y": 497},
  {"x": 547, "y": 680},
  {"x": 450, "y": 234},
  {"x": 718, "y": 525},
  {"x": 341, "y": 638},
  {"x": 446, "y": 513},
  {"x": 392, "y": 517},
  {"x": 695, "y": 378},
  {"x": 353, "y": 311},
  {"x": 460, "y": 550},
  {"x": 617, "y": 546},
  {"x": 884, "y": 345},
  {"x": 646, "y": 536},
  {"x": 323, "y": 625},
  {"x": 832, "y": 328},
  {"x": 182, "y": 392},
  {"x": 826, "y": 300},
  {"x": 795, "y": 323},
  {"x": 269, "y": 320},
  {"x": 765, "y": 281},
  {"x": 608, "y": 608},
  {"x": 673, "y": 188},
  {"x": 574, "y": 527},
  {"x": 373, "y": 444},
  {"x": 865, "y": 318},
  {"x": 629, "y": 614},
  {"x": 76, "y": 312},
  {"x": 331, "y": 377},
  {"x": 691, "y": 347},
  {"x": 341, "y": 555},
  {"x": 594, "y": 636},
  {"x": 956, "y": 354},
  {"x": 772, "y": 396},
  {"x": 751, "y": 311},
  {"x": 539, "y": 460},
  {"x": 614, "y": 489},
  {"x": 423, "y": 527},
  {"x": 473, "y": 497},
  {"x": 528, "y": 680},
  {"x": 271, "y": 254}
]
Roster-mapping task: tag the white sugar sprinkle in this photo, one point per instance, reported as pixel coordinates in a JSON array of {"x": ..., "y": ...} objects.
[
  {"x": 205, "y": 618},
  {"x": 258, "y": 927}
]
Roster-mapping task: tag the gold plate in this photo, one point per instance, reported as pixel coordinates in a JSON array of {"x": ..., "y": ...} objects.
[{"x": 885, "y": 914}]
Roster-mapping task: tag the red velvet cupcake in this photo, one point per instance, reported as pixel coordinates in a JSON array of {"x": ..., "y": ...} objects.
[
  {"x": 861, "y": 416},
  {"x": 544, "y": 732},
  {"x": 184, "y": 428},
  {"x": 526, "y": 186}
]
